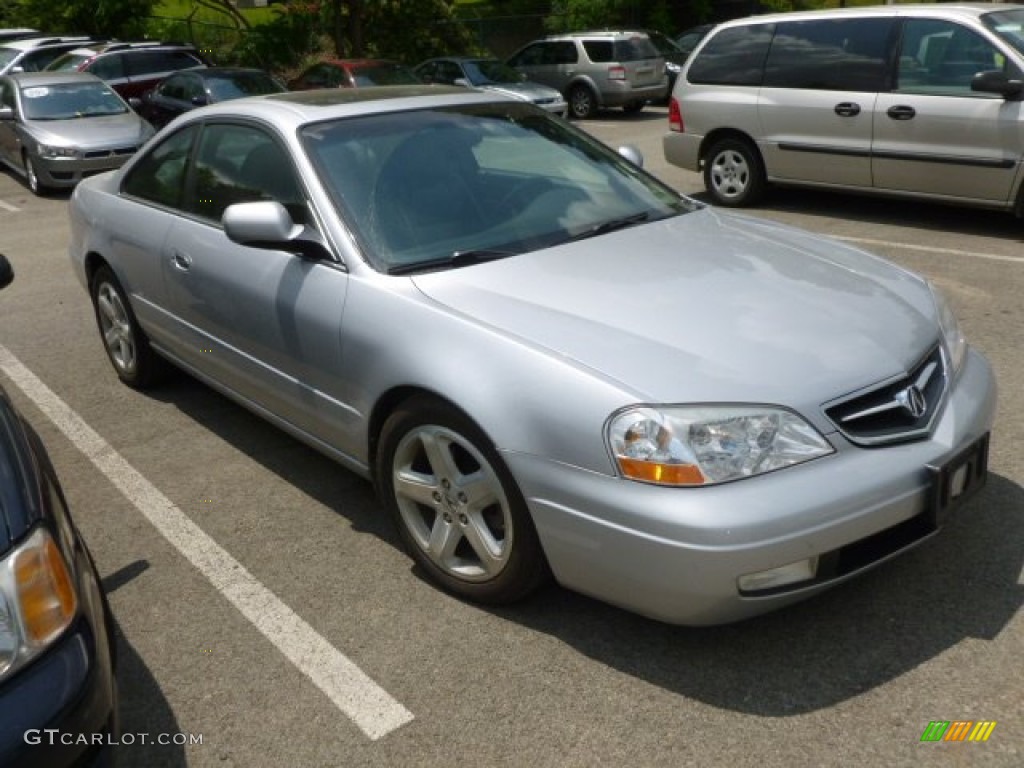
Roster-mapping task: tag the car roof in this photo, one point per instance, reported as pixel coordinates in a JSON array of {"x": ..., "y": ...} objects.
[
  {"x": 28, "y": 79},
  {"x": 598, "y": 33},
  {"x": 295, "y": 108},
  {"x": 943, "y": 10},
  {"x": 31, "y": 43}
]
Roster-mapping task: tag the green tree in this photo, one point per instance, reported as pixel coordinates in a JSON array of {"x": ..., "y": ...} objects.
[{"x": 107, "y": 18}]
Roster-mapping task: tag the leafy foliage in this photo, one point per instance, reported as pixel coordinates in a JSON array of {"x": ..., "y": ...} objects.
[{"x": 104, "y": 18}]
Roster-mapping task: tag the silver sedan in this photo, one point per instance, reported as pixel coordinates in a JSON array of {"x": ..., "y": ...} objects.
[{"x": 549, "y": 363}]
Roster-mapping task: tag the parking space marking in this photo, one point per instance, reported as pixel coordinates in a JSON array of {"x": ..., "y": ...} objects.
[
  {"x": 368, "y": 705},
  {"x": 9, "y": 207},
  {"x": 930, "y": 249}
]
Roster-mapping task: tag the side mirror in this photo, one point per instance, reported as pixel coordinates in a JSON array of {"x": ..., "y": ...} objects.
[
  {"x": 6, "y": 272},
  {"x": 632, "y": 154},
  {"x": 267, "y": 224},
  {"x": 996, "y": 81},
  {"x": 6, "y": 113}
]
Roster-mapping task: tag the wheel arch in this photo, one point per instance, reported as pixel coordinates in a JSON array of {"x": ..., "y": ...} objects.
[
  {"x": 726, "y": 133},
  {"x": 92, "y": 263}
]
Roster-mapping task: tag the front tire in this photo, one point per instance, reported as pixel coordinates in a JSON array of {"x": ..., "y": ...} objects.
[
  {"x": 135, "y": 363},
  {"x": 457, "y": 508},
  {"x": 32, "y": 176},
  {"x": 734, "y": 173}
]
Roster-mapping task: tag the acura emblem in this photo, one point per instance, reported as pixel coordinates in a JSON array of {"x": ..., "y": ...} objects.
[{"x": 912, "y": 400}]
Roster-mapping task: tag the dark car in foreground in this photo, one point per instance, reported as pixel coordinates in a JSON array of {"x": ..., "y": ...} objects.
[
  {"x": 56, "y": 630},
  {"x": 56, "y": 128},
  {"x": 184, "y": 91},
  {"x": 547, "y": 360}
]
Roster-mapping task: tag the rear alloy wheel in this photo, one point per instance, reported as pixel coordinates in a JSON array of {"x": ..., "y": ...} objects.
[
  {"x": 459, "y": 512},
  {"x": 126, "y": 345},
  {"x": 733, "y": 173},
  {"x": 582, "y": 102},
  {"x": 32, "y": 176}
]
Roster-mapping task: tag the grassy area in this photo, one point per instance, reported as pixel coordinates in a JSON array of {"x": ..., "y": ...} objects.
[{"x": 182, "y": 9}]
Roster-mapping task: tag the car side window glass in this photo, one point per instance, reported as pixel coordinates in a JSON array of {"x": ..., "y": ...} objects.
[
  {"x": 563, "y": 53},
  {"x": 531, "y": 56},
  {"x": 159, "y": 176},
  {"x": 734, "y": 56},
  {"x": 240, "y": 164},
  {"x": 941, "y": 57},
  {"x": 450, "y": 72},
  {"x": 830, "y": 55},
  {"x": 193, "y": 90},
  {"x": 108, "y": 67},
  {"x": 172, "y": 88},
  {"x": 599, "y": 51}
]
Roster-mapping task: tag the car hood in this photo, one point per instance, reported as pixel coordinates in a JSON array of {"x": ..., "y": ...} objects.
[
  {"x": 91, "y": 132},
  {"x": 707, "y": 307},
  {"x": 526, "y": 91}
]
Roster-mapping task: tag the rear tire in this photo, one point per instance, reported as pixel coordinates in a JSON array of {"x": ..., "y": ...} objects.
[
  {"x": 135, "y": 363},
  {"x": 582, "y": 102},
  {"x": 734, "y": 173}
]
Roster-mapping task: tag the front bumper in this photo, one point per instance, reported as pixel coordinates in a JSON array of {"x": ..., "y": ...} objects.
[
  {"x": 676, "y": 554},
  {"x": 70, "y": 689},
  {"x": 68, "y": 171}
]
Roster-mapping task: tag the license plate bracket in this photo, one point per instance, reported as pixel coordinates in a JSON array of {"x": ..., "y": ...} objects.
[{"x": 957, "y": 480}]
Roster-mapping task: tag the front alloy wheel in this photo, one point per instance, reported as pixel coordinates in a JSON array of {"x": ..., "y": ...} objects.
[
  {"x": 458, "y": 511},
  {"x": 32, "y": 175}
]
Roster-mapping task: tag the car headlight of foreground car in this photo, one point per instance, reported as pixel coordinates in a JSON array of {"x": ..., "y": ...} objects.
[
  {"x": 708, "y": 444},
  {"x": 956, "y": 344},
  {"x": 51, "y": 152},
  {"x": 37, "y": 600}
]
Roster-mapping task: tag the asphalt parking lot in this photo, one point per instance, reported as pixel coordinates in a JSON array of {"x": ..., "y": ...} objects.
[{"x": 266, "y": 610}]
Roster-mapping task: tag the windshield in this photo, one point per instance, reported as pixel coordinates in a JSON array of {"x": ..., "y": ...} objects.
[
  {"x": 1009, "y": 25},
  {"x": 242, "y": 84},
  {"x": 484, "y": 71},
  {"x": 384, "y": 74},
  {"x": 447, "y": 187},
  {"x": 69, "y": 62},
  {"x": 65, "y": 101}
]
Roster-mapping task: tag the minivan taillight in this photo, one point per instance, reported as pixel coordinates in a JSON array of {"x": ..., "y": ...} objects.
[
  {"x": 616, "y": 73},
  {"x": 675, "y": 116}
]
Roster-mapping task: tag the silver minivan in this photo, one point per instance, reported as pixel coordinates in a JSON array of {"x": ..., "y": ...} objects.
[{"x": 910, "y": 100}]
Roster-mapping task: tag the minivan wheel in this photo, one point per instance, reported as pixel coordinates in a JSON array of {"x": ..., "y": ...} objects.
[
  {"x": 582, "y": 102},
  {"x": 458, "y": 510},
  {"x": 135, "y": 363},
  {"x": 733, "y": 173}
]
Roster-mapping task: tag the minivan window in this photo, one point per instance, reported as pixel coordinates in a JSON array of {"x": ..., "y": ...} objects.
[
  {"x": 830, "y": 54},
  {"x": 941, "y": 57},
  {"x": 1009, "y": 25},
  {"x": 734, "y": 56}
]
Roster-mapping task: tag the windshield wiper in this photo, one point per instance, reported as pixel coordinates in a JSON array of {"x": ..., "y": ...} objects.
[
  {"x": 457, "y": 259},
  {"x": 610, "y": 226}
]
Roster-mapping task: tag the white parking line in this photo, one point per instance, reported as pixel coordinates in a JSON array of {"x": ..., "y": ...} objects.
[
  {"x": 9, "y": 207},
  {"x": 931, "y": 249},
  {"x": 368, "y": 705}
]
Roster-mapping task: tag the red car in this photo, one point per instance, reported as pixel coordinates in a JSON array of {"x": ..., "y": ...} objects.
[{"x": 353, "y": 73}]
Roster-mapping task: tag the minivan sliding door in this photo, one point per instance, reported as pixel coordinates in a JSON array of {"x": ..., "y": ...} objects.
[{"x": 933, "y": 134}]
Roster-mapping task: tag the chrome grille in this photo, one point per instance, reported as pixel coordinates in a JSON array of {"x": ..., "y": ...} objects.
[
  {"x": 896, "y": 410},
  {"x": 118, "y": 152}
]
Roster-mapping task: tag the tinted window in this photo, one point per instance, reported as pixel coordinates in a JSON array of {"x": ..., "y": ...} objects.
[
  {"x": 530, "y": 56},
  {"x": 151, "y": 62},
  {"x": 829, "y": 54},
  {"x": 238, "y": 85},
  {"x": 942, "y": 57},
  {"x": 238, "y": 164},
  {"x": 1009, "y": 25},
  {"x": 733, "y": 57},
  {"x": 599, "y": 51},
  {"x": 36, "y": 61},
  {"x": 107, "y": 67},
  {"x": 635, "y": 49},
  {"x": 173, "y": 88},
  {"x": 160, "y": 175}
]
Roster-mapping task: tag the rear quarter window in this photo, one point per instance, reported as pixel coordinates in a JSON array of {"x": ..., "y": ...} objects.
[
  {"x": 635, "y": 49},
  {"x": 599, "y": 51},
  {"x": 734, "y": 56}
]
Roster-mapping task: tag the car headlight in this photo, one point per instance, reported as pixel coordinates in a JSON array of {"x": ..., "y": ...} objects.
[
  {"x": 37, "y": 600},
  {"x": 50, "y": 152},
  {"x": 956, "y": 344},
  {"x": 703, "y": 445}
]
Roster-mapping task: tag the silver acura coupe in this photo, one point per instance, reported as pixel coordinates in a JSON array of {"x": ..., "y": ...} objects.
[{"x": 548, "y": 362}]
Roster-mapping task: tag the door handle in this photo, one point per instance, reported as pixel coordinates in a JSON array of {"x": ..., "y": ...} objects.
[
  {"x": 901, "y": 113},
  {"x": 847, "y": 109},
  {"x": 181, "y": 261}
]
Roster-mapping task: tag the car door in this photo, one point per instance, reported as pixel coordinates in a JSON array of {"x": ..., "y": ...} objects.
[
  {"x": 817, "y": 100},
  {"x": 263, "y": 323},
  {"x": 932, "y": 133},
  {"x": 9, "y": 143}
]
